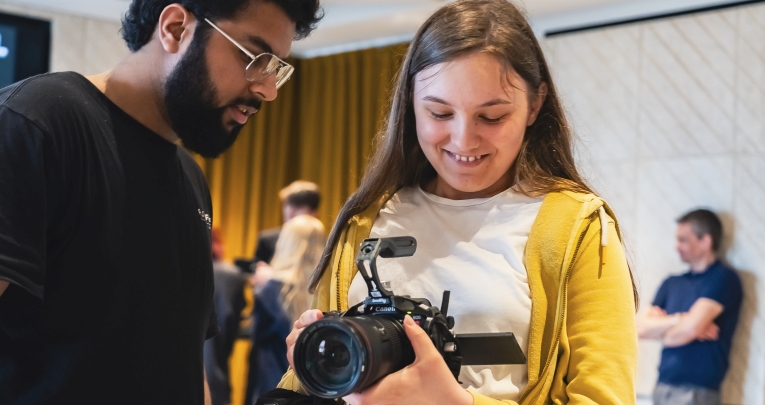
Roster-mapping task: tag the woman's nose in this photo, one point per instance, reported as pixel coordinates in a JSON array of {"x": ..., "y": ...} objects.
[{"x": 465, "y": 135}]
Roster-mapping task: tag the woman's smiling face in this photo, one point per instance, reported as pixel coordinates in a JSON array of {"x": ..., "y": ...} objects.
[{"x": 471, "y": 117}]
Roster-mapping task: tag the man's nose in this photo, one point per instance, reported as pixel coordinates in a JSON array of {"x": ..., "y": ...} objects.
[{"x": 265, "y": 89}]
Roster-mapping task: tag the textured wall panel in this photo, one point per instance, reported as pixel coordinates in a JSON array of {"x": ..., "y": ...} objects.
[
  {"x": 750, "y": 77},
  {"x": 607, "y": 61},
  {"x": 687, "y": 100},
  {"x": 747, "y": 379},
  {"x": 105, "y": 46},
  {"x": 69, "y": 43}
]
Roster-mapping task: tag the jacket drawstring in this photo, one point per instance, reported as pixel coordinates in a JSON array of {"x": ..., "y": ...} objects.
[{"x": 603, "y": 234}]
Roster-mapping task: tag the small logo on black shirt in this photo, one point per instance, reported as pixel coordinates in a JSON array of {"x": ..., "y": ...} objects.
[{"x": 205, "y": 218}]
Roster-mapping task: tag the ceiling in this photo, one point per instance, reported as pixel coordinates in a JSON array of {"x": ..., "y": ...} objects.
[{"x": 357, "y": 24}]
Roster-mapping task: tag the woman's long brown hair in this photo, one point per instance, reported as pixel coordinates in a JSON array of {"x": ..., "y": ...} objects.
[{"x": 545, "y": 162}]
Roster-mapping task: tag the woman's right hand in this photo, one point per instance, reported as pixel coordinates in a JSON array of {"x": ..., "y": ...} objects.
[{"x": 307, "y": 318}]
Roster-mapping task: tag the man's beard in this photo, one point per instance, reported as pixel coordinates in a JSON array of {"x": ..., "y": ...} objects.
[{"x": 190, "y": 99}]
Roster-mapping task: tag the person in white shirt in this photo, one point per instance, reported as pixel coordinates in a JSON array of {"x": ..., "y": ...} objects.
[{"x": 476, "y": 163}]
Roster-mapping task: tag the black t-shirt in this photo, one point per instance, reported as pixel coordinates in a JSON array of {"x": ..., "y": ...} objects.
[{"x": 105, "y": 238}]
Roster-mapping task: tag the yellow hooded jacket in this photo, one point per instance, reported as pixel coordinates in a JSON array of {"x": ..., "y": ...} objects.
[{"x": 582, "y": 346}]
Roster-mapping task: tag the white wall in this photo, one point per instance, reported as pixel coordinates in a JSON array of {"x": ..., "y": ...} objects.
[
  {"x": 81, "y": 44},
  {"x": 671, "y": 114}
]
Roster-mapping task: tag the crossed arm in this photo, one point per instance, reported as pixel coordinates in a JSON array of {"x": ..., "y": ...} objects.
[{"x": 679, "y": 329}]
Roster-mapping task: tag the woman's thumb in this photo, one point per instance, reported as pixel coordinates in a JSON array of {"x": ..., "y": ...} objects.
[{"x": 420, "y": 340}]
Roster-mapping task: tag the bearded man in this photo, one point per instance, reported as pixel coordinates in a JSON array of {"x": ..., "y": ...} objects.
[{"x": 106, "y": 279}]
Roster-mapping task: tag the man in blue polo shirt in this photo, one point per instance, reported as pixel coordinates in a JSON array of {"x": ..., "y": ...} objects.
[{"x": 694, "y": 315}]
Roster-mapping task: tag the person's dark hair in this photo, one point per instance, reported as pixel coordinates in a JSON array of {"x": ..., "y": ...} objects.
[
  {"x": 301, "y": 193},
  {"x": 142, "y": 17},
  {"x": 704, "y": 222},
  {"x": 308, "y": 199},
  {"x": 545, "y": 162}
]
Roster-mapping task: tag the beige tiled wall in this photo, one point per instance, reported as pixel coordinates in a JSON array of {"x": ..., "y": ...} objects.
[
  {"x": 80, "y": 44},
  {"x": 671, "y": 116}
]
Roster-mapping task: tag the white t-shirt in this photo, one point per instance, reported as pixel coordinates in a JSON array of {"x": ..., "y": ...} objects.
[{"x": 473, "y": 248}]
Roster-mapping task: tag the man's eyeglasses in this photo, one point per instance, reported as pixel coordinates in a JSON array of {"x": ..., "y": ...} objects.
[{"x": 262, "y": 65}]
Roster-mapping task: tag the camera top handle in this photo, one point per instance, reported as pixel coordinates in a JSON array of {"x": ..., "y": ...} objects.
[{"x": 366, "y": 261}]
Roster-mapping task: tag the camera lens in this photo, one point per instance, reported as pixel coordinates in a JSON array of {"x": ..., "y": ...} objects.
[
  {"x": 338, "y": 356},
  {"x": 332, "y": 357}
]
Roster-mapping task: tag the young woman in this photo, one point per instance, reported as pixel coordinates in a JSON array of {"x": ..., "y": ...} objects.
[
  {"x": 281, "y": 296},
  {"x": 476, "y": 163}
]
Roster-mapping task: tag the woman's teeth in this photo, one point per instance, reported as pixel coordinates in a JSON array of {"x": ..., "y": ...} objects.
[{"x": 467, "y": 158}]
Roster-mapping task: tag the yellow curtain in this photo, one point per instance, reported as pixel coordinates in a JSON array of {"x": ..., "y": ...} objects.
[{"x": 320, "y": 128}]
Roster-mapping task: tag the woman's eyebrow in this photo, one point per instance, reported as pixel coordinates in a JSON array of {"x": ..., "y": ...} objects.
[
  {"x": 435, "y": 100},
  {"x": 496, "y": 101},
  {"x": 489, "y": 103}
]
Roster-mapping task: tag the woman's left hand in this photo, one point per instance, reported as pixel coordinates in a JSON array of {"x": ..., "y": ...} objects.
[{"x": 426, "y": 381}]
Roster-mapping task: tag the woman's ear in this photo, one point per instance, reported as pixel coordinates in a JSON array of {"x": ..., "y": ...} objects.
[
  {"x": 537, "y": 103},
  {"x": 175, "y": 24}
]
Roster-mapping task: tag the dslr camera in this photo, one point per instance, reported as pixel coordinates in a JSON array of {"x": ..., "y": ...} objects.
[{"x": 347, "y": 352}]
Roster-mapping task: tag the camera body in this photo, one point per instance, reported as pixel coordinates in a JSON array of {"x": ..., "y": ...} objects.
[{"x": 347, "y": 352}]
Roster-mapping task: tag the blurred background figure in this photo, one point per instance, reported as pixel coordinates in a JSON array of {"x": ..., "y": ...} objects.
[
  {"x": 229, "y": 299},
  {"x": 299, "y": 198},
  {"x": 281, "y": 295},
  {"x": 694, "y": 315}
]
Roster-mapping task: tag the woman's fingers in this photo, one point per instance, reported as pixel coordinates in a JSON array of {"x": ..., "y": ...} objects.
[
  {"x": 306, "y": 318},
  {"x": 421, "y": 343}
]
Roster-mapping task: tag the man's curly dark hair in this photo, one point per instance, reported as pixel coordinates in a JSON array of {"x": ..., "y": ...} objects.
[{"x": 142, "y": 17}]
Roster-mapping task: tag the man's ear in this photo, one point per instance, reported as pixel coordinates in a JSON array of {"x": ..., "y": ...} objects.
[
  {"x": 706, "y": 240},
  {"x": 175, "y": 25},
  {"x": 535, "y": 105}
]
